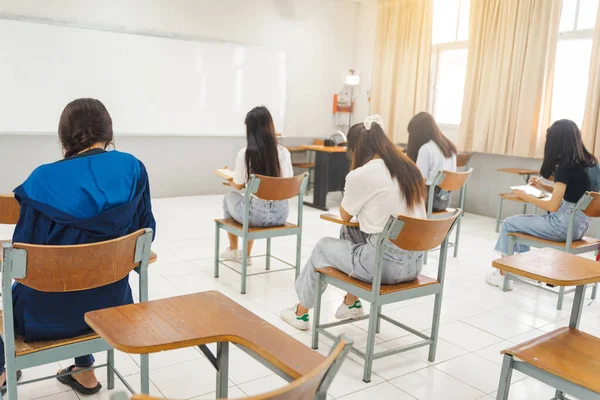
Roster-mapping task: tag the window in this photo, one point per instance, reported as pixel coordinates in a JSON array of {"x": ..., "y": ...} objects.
[
  {"x": 573, "y": 54},
  {"x": 449, "y": 59}
]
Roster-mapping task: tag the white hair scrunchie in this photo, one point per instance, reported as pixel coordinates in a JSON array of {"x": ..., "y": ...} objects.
[{"x": 373, "y": 119}]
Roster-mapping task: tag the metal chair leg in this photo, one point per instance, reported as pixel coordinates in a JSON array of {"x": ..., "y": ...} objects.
[
  {"x": 217, "y": 240},
  {"x": 373, "y": 317},
  {"x": 435, "y": 327},
  {"x": 298, "y": 253},
  {"x": 317, "y": 313},
  {"x": 145, "y": 373},
  {"x": 457, "y": 237},
  {"x": 378, "y": 328},
  {"x": 506, "y": 283},
  {"x": 268, "y": 261},
  {"x": 11, "y": 377},
  {"x": 498, "y": 219},
  {"x": 561, "y": 298},
  {"x": 244, "y": 264},
  {"x": 110, "y": 372},
  {"x": 594, "y": 291},
  {"x": 505, "y": 377}
]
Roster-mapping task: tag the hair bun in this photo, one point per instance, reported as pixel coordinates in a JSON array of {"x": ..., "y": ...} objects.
[{"x": 375, "y": 118}]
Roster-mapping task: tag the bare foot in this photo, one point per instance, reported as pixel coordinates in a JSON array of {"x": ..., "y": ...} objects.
[
  {"x": 86, "y": 378},
  {"x": 3, "y": 378}
]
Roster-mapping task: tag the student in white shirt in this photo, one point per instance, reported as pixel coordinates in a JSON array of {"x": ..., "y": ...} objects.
[
  {"x": 383, "y": 182},
  {"x": 262, "y": 156},
  {"x": 433, "y": 152}
]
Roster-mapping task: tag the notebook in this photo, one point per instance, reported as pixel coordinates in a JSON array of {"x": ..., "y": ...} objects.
[
  {"x": 530, "y": 190},
  {"x": 224, "y": 173}
]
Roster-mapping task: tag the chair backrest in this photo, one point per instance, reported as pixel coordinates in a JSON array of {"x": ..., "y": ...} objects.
[
  {"x": 453, "y": 181},
  {"x": 270, "y": 188},
  {"x": 462, "y": 159},
  {"x": 307, "y": 387},
  {"x": 593, "y": 204},
  {"x": 415, "y": 234},
  {"x": 9, "y": 209},
  {"x": 78, "y": 267}
]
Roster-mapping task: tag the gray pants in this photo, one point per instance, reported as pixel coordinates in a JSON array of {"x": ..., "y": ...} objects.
[
  {"x": 262, "y": 212},
  {"x": 355, "y": 255}
]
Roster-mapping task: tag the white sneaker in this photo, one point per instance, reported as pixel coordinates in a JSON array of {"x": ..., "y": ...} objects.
[
  {"x": 495, "y": 279},
  {"x": 289, "y": 316},
  {"x": 355, "y": 311},
  {"x": 234, "y": 256}
]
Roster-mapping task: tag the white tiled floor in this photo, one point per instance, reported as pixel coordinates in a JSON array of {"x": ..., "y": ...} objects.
[{"x": 477, "y": 321}]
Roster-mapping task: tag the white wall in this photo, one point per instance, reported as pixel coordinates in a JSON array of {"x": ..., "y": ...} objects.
[
  {"x": 363, "y": 54},
  {"x": 316, "y": 34}
]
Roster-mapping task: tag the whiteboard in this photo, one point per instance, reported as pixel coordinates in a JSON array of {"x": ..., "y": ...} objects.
[{"x": 150, "y": 85}]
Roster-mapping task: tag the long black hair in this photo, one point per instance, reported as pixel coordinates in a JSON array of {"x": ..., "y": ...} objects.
[
  {"x": 365, "y": 144},
  {"x": 262, "y": 156},
  {"x": 564, "y": 148},
  {"x": 83, "y": 123},
  {"x": 421, "y": 129}
]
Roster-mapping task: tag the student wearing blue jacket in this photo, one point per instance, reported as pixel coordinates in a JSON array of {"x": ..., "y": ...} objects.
[{"x": 91, "y": 195}]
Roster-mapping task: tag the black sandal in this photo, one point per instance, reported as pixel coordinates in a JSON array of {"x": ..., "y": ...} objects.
[
  {"x": 73, "y": 384},
  {"x": 3, "y": 387}
]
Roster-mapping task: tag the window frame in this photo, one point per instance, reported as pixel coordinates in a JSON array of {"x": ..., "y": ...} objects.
[{"x": 434, "y": 64}]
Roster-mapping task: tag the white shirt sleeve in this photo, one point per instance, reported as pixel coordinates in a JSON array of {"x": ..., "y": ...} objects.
[
  {"x": 424, "y": 162},
  {"x": 240, "y": 174},
  {"x": 285, "y": 163},
  {"x": 356, "y": 192}
]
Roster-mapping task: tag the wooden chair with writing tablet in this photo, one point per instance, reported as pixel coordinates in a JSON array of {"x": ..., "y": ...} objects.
[
  {"x": 309, "y": 387},
  {"x": 410, "y": 234},
  {"x": 589, "y": 204},
  {"x": 265, "y": 188},
  {"x": 451, "y": 182},
  {"x": 68, "y": 269}
]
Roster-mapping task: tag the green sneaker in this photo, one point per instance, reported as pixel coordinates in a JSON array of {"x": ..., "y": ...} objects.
[{"x": 289, "y": 316}]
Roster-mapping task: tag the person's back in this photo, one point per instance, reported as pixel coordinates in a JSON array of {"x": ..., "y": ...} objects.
[
  {"x": 431, "y": 160},
  {"x": 90, "y": 196}
]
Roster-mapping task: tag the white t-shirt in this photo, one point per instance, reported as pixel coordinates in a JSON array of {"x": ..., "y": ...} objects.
[
  {"x": 373, "y": 196},
  {"x": 431, "y": 160},
  {"x": 285, "y": 164}
]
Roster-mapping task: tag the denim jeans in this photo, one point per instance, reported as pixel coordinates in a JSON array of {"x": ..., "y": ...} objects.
[
  {"x": 262, "y": 212},
  {"x": 552, "y": 226},
  {"x": 355, "y": 254}
]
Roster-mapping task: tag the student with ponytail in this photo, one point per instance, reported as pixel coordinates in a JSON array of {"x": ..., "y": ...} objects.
[{"x": 382, "y": 182}]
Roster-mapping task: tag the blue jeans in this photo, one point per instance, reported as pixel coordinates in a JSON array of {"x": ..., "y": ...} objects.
[
  {"x": 261, "y": 213},
  {"x": 552, "y": 226}
]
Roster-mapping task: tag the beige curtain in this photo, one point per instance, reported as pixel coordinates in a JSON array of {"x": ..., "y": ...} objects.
[
  {"x": 401, "y": 67},
  {"x": 507, "y": 99},
  {"x": 591, "y": 120}
]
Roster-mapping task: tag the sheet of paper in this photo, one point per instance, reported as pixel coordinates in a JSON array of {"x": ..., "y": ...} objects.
[
  {"x": 225, "y": 173},
  {"x": 531, "y": 191}
]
